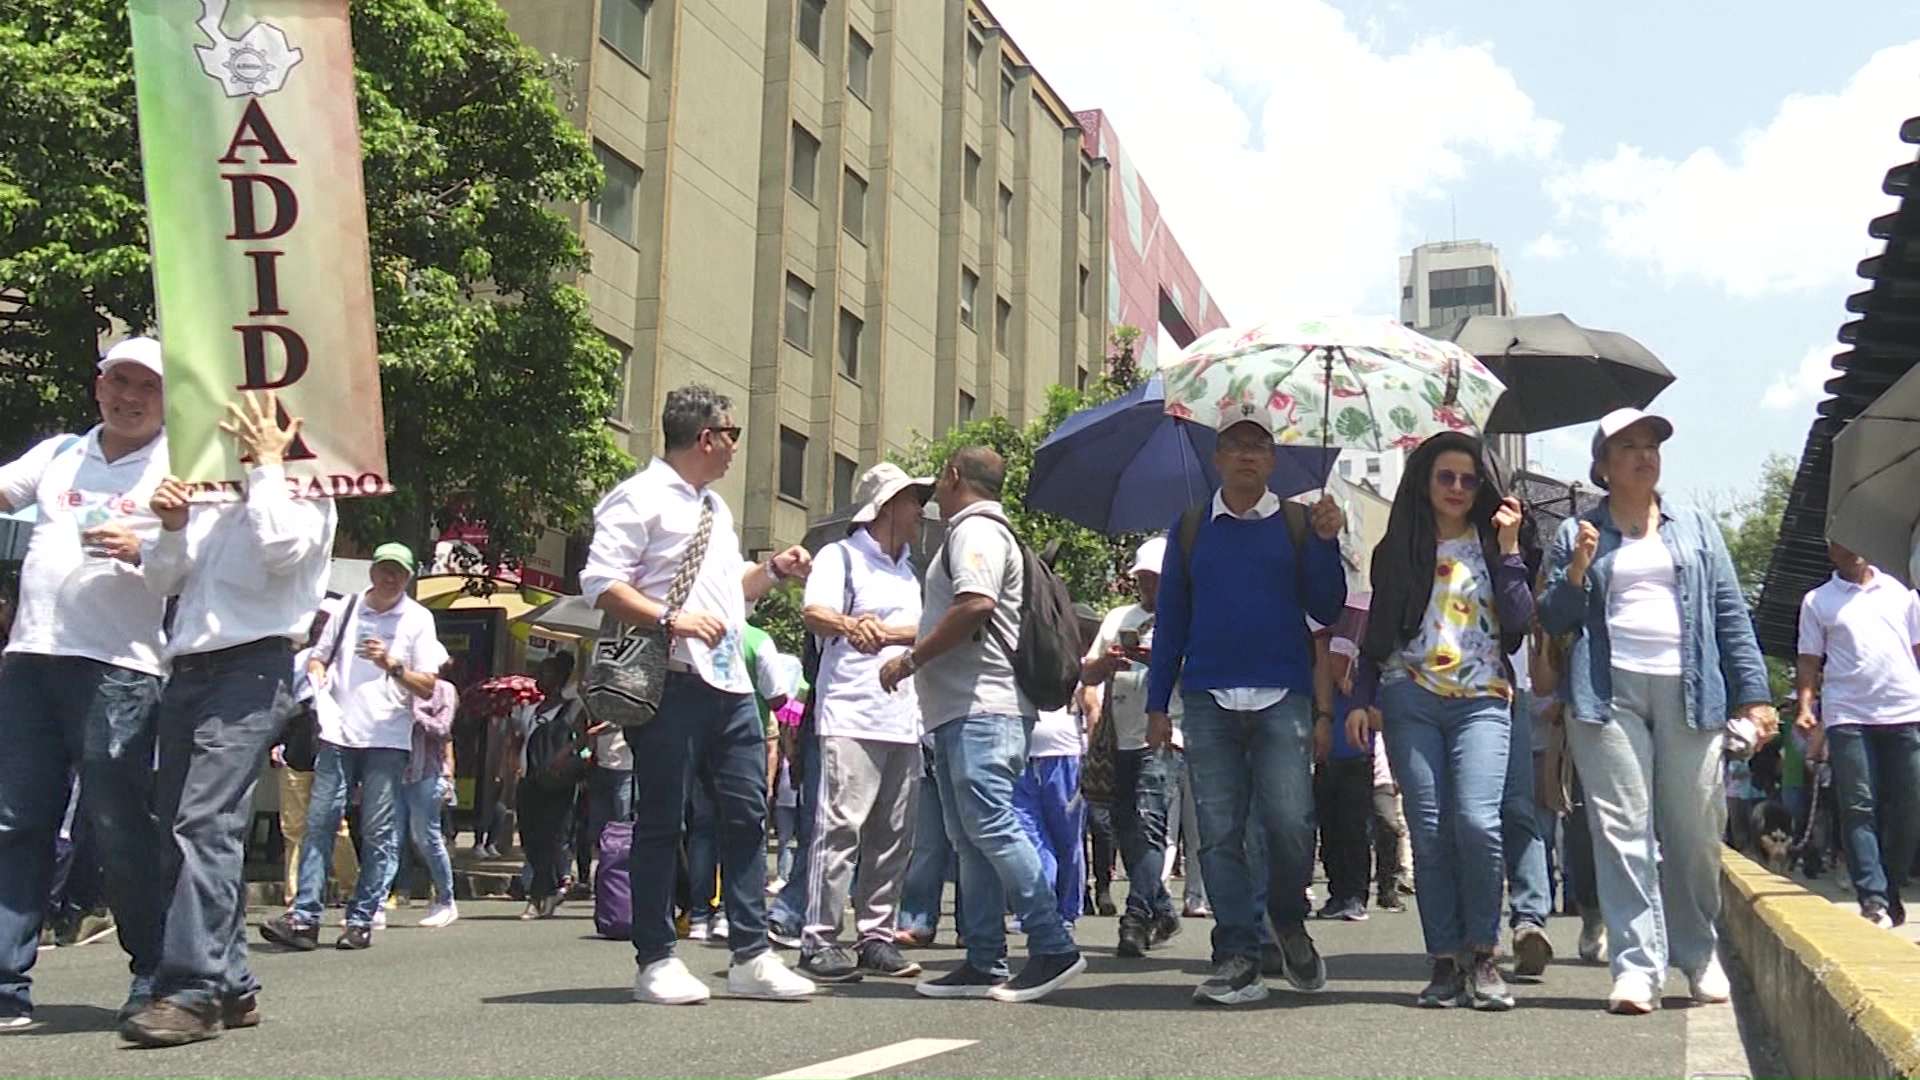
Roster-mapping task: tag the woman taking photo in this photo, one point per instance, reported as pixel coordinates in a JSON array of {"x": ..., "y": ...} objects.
[
  {"x": 1663, "y": 647},
  {"x": 1450, "y": 603}
]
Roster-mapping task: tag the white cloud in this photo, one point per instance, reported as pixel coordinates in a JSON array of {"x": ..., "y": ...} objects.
[
  {"x": 1785, "y": 212},
  {"x": 1275, "y": 135},
  {"x": 1551, "y": 247},
  {"x": 1805, "y": 384}
]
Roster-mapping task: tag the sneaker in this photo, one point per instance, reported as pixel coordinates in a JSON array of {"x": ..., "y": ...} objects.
[
  {"x": 139, "y": 996},
  {"x": 718, "y": 930},
  {"x": 1041, "y": 976},
  {"x": 355, "y": 937},
  {"x": 668, "y": 982},
  {"x": 776, "y": 886},
  {"x": 93, "y": 926},
  {"x": 20, "y": 1022},
  {"x": 1355, "y": 910},
  {"x": 909, "y": 939},
  {"x": 965, "y": 981},
  {"x": 1485, "y": 984},
  {"x": 1631, "y": 996},
  {"x": 830, "y": 964},
  {"x": 884, "y": 958},
  {"x": 1302, "y": 963},
  {"x": 1133, "y": 936},
  {"x": 1532, "y": 951},
  {"x": 700, "y": 930},
  {"x": 292, "y": 933},
  {"x": 1447, "y": 988},
  {"x": 1710, "y": 986},
  {"x": 780, "y": 934},
  {"x": 1332, "y": 909},
  {"x": 168, "y": 1023},
  {"x": 579, "y": 891},
  {"x": 1235, "y": 981},
  {"x": 1391, "y": 903},
  {"x": 1273, "y": 964},
  {"x": 765, "y": 976},
  {"x": 380, "y": 918},
  {"x": 440, "y": 915},
  {"x": 1166, "y": 927},
  {"x": 240, "y": 1012},
  {"x": 1191, "y": 910},
  {"x": 1593, "y": 938},
  {"x": 1877, "y": 915},
  {"x": 1103, "y": 902}
]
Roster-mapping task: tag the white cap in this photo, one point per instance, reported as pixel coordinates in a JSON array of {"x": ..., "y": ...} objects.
[
  {"x": 1613, "y": 424},
  {"x": 134, "y": 350},
  {"x": 1151, "y": 556},
  {"x": 878, "y": 487},
  {"x": 1245, "y": 412}
]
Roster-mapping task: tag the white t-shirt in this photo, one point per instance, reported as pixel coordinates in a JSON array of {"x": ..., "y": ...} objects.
[
  {"x": 1643, "y": 607},
  {"x": 1057, "y": 734},
  {"x": 375, "y": 710},
  {"x": 73, "y": 603},
  {"x": 1125, "y": 695},
  {"x": 1866, "y": 633},
  {"x": 848, "y": 700}
]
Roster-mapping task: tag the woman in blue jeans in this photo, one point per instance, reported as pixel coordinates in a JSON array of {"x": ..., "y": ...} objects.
[{"x": 1450, "y": 603}]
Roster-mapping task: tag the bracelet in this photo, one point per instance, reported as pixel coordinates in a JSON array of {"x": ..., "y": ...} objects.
[
  {"x": 666, "y": 620},
  {"x": 1322, "y": 714},
  {"x": 774, "y": 573},
  {"x": 911, "y": 661}
]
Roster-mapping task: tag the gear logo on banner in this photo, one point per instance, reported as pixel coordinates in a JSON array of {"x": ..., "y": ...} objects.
[{"x": 257, "y": 62}]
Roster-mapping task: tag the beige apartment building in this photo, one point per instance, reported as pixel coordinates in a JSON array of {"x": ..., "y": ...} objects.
[{"x": 862, "y": 219}]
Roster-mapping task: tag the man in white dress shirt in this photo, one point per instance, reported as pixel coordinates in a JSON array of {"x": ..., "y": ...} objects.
[
  {"x": 708, "y": 729},
  {"x": 247, "y": 575}
]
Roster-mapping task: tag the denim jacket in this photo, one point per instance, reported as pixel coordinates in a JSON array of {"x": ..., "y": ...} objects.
[{"x": 1720, "y": 660}]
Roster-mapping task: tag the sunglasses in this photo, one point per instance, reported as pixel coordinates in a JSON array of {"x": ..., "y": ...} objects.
[
  {"x": 732, "y": 433},
  {"x": 1447, "y": 478}
]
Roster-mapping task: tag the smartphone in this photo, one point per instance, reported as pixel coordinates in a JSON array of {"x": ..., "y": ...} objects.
[{"x": 1129, "y": 639}]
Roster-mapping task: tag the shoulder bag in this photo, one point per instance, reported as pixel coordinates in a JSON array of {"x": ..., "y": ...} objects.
[{"x": 629, "y": 666}]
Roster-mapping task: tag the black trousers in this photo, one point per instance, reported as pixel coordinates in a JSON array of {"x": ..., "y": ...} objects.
[
  {"x": 545, "y": 816},
  {"x": 1343, "y": 805}
]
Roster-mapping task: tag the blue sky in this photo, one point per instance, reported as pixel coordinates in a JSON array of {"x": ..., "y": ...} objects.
[{"x": 1698, "y": 175}]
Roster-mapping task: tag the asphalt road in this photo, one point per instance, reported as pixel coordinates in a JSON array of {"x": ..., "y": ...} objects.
[{"x": 494, "y": 997}]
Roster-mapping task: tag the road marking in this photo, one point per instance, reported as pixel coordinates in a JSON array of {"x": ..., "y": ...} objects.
[{"x": 873, "y": 1061}]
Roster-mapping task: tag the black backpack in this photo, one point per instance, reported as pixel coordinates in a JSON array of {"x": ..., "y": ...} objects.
[
  {"x": 553, "y": 752},
  {"x": 1046, "y": 659}
]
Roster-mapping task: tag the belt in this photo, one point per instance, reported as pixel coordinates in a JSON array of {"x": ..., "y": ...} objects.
[{"x": 277, "y": 646}]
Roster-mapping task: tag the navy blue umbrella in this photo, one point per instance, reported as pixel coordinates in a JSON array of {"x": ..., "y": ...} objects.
[{"x": 1126, "y": 466}]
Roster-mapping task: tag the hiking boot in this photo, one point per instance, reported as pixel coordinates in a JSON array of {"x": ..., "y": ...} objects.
[
  {"x": 1103, "y": 901},
  {"x": 1486, "y": 986},
  {"x": 1235, "y": 981},
  {"x": 1042, "y": 976},
  {"x": 168, "y": 1023},
  {"x": 1532, "y": 951},
  {"x": 289, "y": 932},
  {"x": 965, "y": 981},
  {"x": 830, "y": 964},
  {"x": 1133, "y": 936},
  {"x": 1447, "y": 988},
  {"x": 1301, "y": 961},
  {"x": 240, "y": 1012},
  {"x": 884, "y": 958},
  {"x": 1166, "y": 927},
  {"x": 355, "y": 937}
]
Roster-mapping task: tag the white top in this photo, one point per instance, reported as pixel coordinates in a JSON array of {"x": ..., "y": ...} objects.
[
  {"x": 373, "y": 710},
  {"x": 1643, "y": 607},
  {"x": 1867, "y": 634},
  {"x": 73, "y": 603},
  {"x": 610, "y": 749},
  {"x": 1056, "y": 734},
  {"x": 302, "y": 682},
  {"x": 975, "y": 678},
  {"x": 640, "y": 531},
  {"x": 1249, "y": 698},
  {"x": 244, "y": 571},
  {"x": 1125, "y": 694},
  {"x": 847, "y": 698}
]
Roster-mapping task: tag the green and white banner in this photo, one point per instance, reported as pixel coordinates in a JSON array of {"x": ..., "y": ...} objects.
[{"x": 251, "y": 150}]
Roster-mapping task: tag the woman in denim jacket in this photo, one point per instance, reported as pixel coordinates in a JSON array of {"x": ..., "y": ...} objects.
[{"x": 1663, "y": 653}]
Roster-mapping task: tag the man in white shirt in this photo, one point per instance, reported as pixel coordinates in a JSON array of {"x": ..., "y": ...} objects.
[
  {"x": 80, "y": 686},
  {"x": 247, "y": 576},
  {"x": 1860, "y": 648},
  {"x": 707, "y": 729},
  {"x": 380, "y": 656},
  {"x": 863, "y": 602}
]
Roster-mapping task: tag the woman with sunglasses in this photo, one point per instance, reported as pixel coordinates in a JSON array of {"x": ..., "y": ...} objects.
[
  {"x": 1450, "y": 603},
  {"x": 1663, "y": 645}
]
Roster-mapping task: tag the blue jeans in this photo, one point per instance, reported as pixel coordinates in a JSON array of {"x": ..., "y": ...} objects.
[
  {"x": 1523, "y": 831},
  {"x": 59, "y": 715},
  {"x": 1876, "y": 772},
  {"x": 711, "y": 738},
  {"x": 1577, "y": 860},
  {"x": 609, "y": 799},
  {"x": 1248, "y": 767},
  {"x": 979, "y": 759},
  {"x": 337, "y": 770},
  {"x": 703, "y": 853},
  {"x": 789, "y": 909},
  {"x": 933, "y": 863},
  {"x": 421, "y": 804},
  {"x": 1046, "y": 800},
  {"x": 1450, "y": 757},
  {"x": 1140, "y": 779}
]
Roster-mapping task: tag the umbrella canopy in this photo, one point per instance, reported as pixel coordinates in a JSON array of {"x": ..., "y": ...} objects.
[
  {"x": 1873, "y": 501},
  {"x": 1355, "y": 383},
  {"x": 1557, "y": 372},
  {"x": 1127, "y": 466},
  {"x": 573, "y": 616}
]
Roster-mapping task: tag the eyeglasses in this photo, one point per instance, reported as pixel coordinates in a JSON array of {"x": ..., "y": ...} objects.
[
  {"x": 1447, "y": 478},
  {"x": 1244, "y": 449},
  {"x": 732, "y": 433}
]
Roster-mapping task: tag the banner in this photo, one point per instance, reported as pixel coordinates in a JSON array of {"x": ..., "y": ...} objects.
[{"x": 251, "y": 150}]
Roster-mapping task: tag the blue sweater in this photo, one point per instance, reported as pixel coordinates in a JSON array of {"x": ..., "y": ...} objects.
[{"x": 1241, "y": 620}]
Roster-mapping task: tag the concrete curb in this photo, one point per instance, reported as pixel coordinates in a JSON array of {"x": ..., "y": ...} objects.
[{"x": 1842, "y": 995}]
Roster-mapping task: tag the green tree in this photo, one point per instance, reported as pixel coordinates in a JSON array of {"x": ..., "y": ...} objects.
[
  {"x": 495, "y": 383},
  {"x": 1751, "y": 526}
]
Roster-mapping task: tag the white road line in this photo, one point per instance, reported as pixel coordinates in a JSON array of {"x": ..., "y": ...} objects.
[{"x": 873, "y": 1061}]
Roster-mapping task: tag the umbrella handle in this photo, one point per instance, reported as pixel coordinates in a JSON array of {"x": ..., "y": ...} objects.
[{"x": 1326, "y": 412}]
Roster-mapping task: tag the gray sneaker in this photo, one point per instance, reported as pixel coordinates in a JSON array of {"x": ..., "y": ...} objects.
[
  {"x": 1235, "y": 981},
  {"x": 1486, "y": 986}
]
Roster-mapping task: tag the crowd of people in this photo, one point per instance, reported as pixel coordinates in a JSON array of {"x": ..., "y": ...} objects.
[{"x": 1502, "y": 723}]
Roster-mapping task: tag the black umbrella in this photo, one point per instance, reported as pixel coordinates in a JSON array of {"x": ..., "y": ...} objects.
[
  {"x": 1873, "y": 505},
  {"x": 1557, "y": 372}
]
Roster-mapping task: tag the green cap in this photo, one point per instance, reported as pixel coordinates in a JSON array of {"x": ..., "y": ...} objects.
[{"x": 395, "y": 553}]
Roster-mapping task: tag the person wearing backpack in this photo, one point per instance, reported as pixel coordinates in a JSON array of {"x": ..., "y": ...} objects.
[
  {"x": 555, "y": 768},
  {"x": 1240, "y": 580},
  {"x": 988, "y": 604}
]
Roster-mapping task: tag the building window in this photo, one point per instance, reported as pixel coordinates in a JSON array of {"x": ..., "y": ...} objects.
[
  {"x": 813, "y": 15},
  {"x": 1002, "y": 323},
  {"x": 1006, "y": 212},
  {"x": 799, "y": 328},
  {"x": 793, "y": 464},
  {"x": 859, "y": 64},
  {"x": 970, "y": 179},
  {"x": 853, "y": 205},
  {"x": 846, "y": 472},
  {"x": 1086, "y": 291},
  {"x": 1006, "y": 100},
  {"x": 1373, "y": 468},
  {"x": 850, "y": 330},
  {"x": 966, "y": 407},
  {"x": 969, "y": 292},
  {"x": 974, "y": 49},
  {"x": 618, "y": 414},
  {"x": 1086, "y": 189},
  {"x": 623, "y": 26},
  {"x": 1456, "y": 294},
  {"x": 617, "y": 208},
  {"x": 806, "y": 162},
  {"x": 1346, "y": 469},
  {"x": 1080, "y": 381}
]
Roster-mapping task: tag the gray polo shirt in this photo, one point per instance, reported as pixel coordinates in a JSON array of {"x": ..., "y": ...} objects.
[{"x": 977, "y": 677}]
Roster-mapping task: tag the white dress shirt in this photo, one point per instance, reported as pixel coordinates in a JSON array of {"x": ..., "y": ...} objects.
[
  {"x": 1249, "y": 698},
  {"x": 848, "y": 700},
  {"x": 244, "y": 570}
]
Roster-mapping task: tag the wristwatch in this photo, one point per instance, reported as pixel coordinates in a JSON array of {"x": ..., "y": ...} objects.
[{"x": 911, "y": 661}]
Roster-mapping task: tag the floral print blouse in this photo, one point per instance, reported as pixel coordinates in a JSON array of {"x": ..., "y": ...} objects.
[{"x": 1457, "y": 652}]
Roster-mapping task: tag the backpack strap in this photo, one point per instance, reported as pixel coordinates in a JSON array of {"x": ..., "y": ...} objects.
[
  {"x": 1296, "y": 524},
  {"x": 946, "y": 562},
  {"x": 1188, "y": 532}
]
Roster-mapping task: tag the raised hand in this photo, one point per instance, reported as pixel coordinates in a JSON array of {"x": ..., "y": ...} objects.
[
  {"x": 1585, "y": 546},
  {"x": 255, "y": 421},
  {"x": 1506, "y": 522}
]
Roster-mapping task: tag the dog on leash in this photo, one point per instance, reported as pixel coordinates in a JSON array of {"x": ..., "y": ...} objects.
[{"x": 1773, "y": 839}]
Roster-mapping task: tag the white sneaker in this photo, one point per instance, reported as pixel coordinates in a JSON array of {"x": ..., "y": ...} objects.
[
  {"x": 1632, "y": 996},
  {"x": 380, "y": 918},
  {"x": 15, "y": 1023},
  {"x": 718, "y": 930},
  {"x": 765, "y": 976},
  {"x": 1710, "y": 987},
  {"x": 698, "y": 931},
  {"x": 441, "y": 915},
  {"x": 668, "y": 982},
  {"x": 776, "y": 886}
]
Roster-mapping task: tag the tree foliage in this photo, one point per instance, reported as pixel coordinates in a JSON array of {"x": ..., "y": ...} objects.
[
  {"x": 495, "y": 383},
  {"x": 1751, "y": 526}
]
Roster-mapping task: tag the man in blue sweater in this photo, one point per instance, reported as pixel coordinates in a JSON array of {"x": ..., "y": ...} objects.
[{"x": 1233, "y": 630}]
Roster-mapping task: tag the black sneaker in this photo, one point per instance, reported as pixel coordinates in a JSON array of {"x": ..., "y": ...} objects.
[
  {"x": 1532, "y": 951},
  {"x": 1448, "y": 987},
  {"x": 1103, "y": 902},
  {"x": 1273, "y": 965},
  {"x": 1166, "y": 927},
  {"x": 1484, "y": 983},
  {"x": 965, "y": 981},
  {"x": 1235, "y": 981},
  {"x": 287, "y": 931},
  {"x": 355, "y": 937},
  {"x": 830, "y": 964},
  {"x": 1391, "y": 903},
  {"x": 1042, "y": 976},
  {"x": 1304, "y": 968},
  {"x": 1332, "y": 909},
  {"x": 885, "y": 958},
  {"x": 1133, "y": 936}
]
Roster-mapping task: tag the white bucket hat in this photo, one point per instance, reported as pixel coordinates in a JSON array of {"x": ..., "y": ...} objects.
[{"x": 878, "y": 487}]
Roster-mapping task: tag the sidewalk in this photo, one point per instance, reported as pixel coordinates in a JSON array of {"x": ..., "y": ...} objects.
[{"x": 1837, "y": 887}]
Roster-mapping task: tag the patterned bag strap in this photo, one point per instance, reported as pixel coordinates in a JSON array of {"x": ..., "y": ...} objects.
[{"x": 690, "y": 562}]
